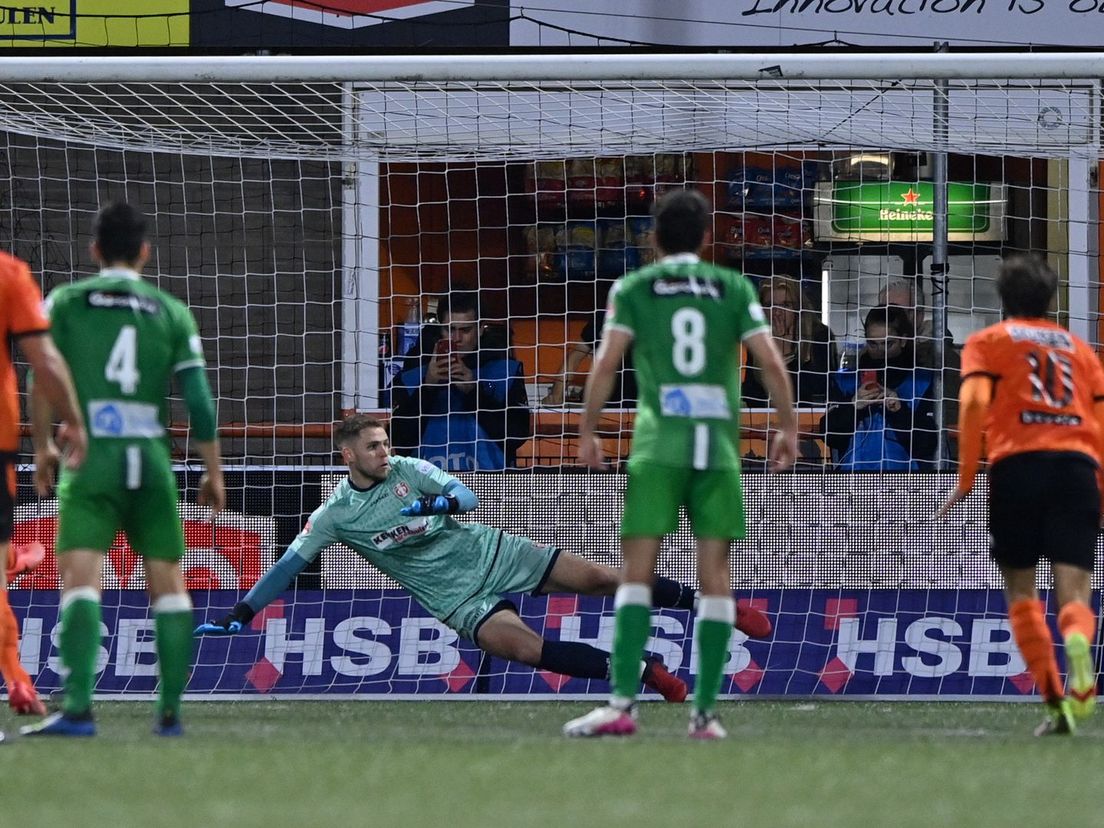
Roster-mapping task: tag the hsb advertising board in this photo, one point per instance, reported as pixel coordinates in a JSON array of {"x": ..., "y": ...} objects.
[{"x": 905, "y": 643}]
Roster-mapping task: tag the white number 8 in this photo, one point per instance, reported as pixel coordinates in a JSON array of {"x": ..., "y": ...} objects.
[{"x": 688, "y": 353}]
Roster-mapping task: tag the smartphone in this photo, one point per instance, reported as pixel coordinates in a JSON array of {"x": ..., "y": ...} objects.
[
  {"x": 868, "y": 377},
  {"x": 443, "y": 346}
]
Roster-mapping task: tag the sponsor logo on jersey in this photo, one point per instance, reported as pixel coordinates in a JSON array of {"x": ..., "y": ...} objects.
[
  {"x": 1049, "y": 418},
  {"x": 125, "y": 301},
  {"x": 418, "y": 526},
  {"x": 1041, "y": 336},
  {"x": 402, "y": 490},
  {"x": 694, "y": 400},
  {"x": 107, "y": 421},
  {"x": 351, "y": 14},
  {"x": 119, "y": 418},
  {"x": 668, "y": 286},
  {"x": 425, "y": 467}
]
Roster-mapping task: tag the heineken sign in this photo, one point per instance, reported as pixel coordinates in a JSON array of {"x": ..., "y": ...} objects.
[{"x": 899, "y": 211}]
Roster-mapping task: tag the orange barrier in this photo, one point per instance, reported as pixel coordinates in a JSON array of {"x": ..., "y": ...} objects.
[{"x": 555, "y": 433}]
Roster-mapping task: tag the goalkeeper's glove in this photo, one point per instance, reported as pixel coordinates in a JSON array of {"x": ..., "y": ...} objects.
[
  {"x": 241, "y": 615},
  {"x": 432, "y": 505}
]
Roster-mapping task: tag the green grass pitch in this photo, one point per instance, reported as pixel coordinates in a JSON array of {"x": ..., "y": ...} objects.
[{"x": 329, "y": 763}]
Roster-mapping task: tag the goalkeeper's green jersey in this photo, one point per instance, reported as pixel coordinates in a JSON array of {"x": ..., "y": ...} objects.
[
  {"x": 687, "y": 319},
  {"x": 124, "y": 339},
  {"x": 441, "y": 561}
]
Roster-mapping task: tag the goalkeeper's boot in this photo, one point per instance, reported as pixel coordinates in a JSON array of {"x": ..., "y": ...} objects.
[
  {"x": 752, "y": 622},
  {"x": 1059, "y": 720},
  {"x": 1082, "y": 676},
  {"x": 168, "y": 724},
  {"x": 657, "y": 677},
  {"x": 706, "y": 727},
  {"x": 62, "y": 724},
  {"x": 604, "y": 721},
  {"x": 23, "y": 557},
  {"x": 24, "y": 700}
]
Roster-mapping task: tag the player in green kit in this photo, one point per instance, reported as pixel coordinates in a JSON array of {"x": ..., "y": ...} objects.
[
  {"x": 396, "y": 512},
  {"x": 125, "y": 341},
  {"x": 686, "y": 320}
]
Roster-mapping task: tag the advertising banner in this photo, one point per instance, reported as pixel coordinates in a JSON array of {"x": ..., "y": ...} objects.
[
  {"x": 903, "y": 211},
  {"x": 778, "y": 24},
  {"x": 888, "y": 643},
  {"x": 343, "y": 24},
  {"x": 351, "y": 14},
  {"x": 84, "y": 23}
]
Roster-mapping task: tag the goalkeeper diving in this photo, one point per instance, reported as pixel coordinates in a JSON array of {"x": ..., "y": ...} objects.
[{"x": 397, "y": 513}]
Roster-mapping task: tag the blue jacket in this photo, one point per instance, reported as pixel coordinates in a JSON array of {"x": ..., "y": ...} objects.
[
  {"x": 457, "y": 431},
  {"x": 875, "y": 438}
]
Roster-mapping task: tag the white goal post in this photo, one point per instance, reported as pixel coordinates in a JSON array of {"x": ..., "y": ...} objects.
[{"x": 306, "y": 207}]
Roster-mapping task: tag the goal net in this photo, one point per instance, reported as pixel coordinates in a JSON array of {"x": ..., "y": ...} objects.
[{"x": 315, "y": 212}]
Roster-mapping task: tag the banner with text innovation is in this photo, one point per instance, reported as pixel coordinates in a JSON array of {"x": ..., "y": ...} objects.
[
  {"x": 889, "y": 643},
  {"x": 778, "y": 24},
  {"x": 95, "y": 23}
]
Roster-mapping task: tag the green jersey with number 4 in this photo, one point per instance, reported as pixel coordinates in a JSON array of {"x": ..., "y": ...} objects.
[
  {"x": 123, "y": 339},
  {"x": 687, "y": 319}
]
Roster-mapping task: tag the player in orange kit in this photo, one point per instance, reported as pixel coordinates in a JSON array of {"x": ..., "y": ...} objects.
[
  {"x": 1034, "y": 393},
  {"x": 22, "y": 321}
]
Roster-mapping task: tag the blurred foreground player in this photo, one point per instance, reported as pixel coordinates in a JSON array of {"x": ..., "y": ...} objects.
[
  {"x": 22, "y": 321},
  {"x": 1033, "y": 393}
]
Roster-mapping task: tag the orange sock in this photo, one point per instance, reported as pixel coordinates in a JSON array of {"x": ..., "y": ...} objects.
[
  {"x": 1076, "y": 617},
  {"x": 10, "y": 667},
  {"x": 1032, "y": 635}
]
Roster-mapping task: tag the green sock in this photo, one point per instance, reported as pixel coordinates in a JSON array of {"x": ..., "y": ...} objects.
[
  {"x": 713, "y": 628},
  {"x": 79, "y": 644},
  {"x": 632, "y": 623},
  {"x": 173, "y": 615}
]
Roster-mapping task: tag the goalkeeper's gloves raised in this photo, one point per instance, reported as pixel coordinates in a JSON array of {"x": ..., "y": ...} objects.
[
  {"x": 241, "y": 615},
  {"x": 432, "y": 505}
]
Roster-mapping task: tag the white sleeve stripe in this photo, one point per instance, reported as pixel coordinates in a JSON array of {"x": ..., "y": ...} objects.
[
  {"x": 761, "y": 329},
  {"x": 188, "y": 363},
  {"x": 615, "y": 326}
]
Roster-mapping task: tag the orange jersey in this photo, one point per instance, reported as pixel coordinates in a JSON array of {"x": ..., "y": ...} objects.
[
  {"x": 20, "y": 313},
  {"x": 1046, "y": 382}
]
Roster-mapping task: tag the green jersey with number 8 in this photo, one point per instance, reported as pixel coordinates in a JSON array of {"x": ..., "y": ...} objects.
[{"x": 687, "y": 319}]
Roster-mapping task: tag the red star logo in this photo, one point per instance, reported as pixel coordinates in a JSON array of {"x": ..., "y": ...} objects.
[{"x": 911, "y": 197}]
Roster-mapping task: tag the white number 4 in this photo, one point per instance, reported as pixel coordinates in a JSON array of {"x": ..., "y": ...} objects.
[{"x": 122, "y": 364}]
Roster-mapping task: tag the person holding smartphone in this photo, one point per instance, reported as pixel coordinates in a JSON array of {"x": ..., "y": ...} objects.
[
  {"x": 882, "y": 416},
  {"x": 464, "y": 407}
]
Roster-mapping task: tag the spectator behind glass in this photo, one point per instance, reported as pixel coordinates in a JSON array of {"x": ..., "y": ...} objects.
[
  {"x": 904, "y": 293},
  {"x": 624, "y": 385},
  {"x": 803, "y": 340},
  {"x": 883, "y": 416},
  {"x": 463, "y": 406}
]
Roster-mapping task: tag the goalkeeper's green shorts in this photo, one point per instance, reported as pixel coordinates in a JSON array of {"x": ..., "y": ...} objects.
[
  {"x": 520, "y": 565},
  {"x": 121, "y": 485},
  {"x": 714, "y": 501}
]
